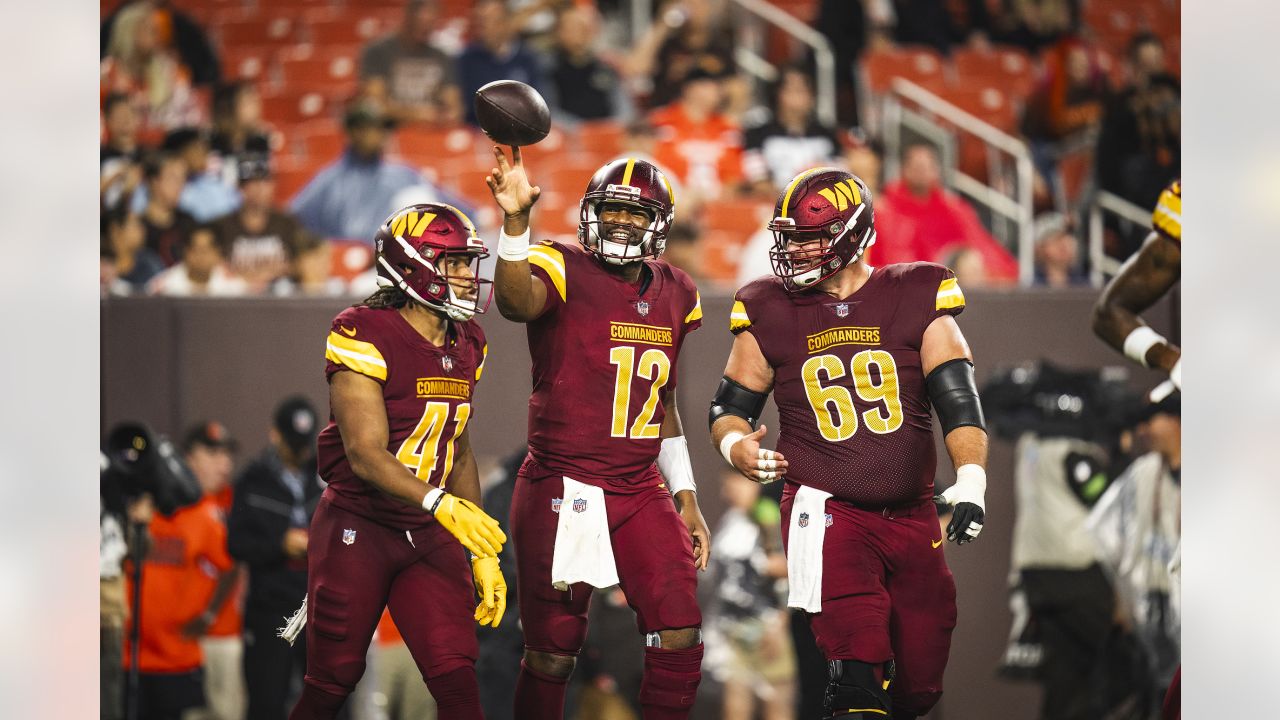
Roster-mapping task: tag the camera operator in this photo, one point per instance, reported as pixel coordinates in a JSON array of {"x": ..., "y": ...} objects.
[
  {"x": 275, "y": 498},
  {"x": 114, "y": 546}
]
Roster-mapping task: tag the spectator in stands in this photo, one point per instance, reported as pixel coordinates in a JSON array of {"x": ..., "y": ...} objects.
[
  {"x": 205, "y": 196},
  {"x": 208, "y": 449},
  {"x": 969, "y": 267},
  {"x": 1066, "y": 103},
  {"x": 414, "y": 79},
  {"x": 354, "y": 195},
  {"x": 238, "y": 130},
  {"x": 1057, "y": 253},
  {"x": 120, "y": 158},
  {"x": 178, "y": 607},
  {"x": 938, "y": 24},
  {"x": 1139, "y": 147},
  {"x": 311, "y": 274},
  {"x": 683, "y": 249},
  {"x": 793, "y": 139},
  {"x": 275, "y": 497},
  {"x": 863, "y": 158},
  {"x": 749, "y": 647},
  {"x": 201, "y": 272},
  {"x": 701, "y": 146},
  {"x": 1035, "y": 24},
  {"x": 176, "y": 29},
  {"x": 584, "y": 86},
  {"x": 167, "y": 226},
  {"x": 139, "y": 64},
  {"x": 496, "y": 53},
  {"x": 688, "y": 36},
  {"x": 128, "y": 264},
  {"x": 845, "y": 26},
  {"x": 918, "y": 219},
  {"x": 259, "y": 241}
]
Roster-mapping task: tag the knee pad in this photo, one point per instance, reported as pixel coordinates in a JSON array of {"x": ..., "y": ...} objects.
[
  {"x": 854, "y": 693},
  {"x": 549, "y": 666},
  {"x": 671, "y": 677}
]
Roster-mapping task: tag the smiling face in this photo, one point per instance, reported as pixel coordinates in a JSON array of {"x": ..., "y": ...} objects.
[{"x": 458, "y": 271}]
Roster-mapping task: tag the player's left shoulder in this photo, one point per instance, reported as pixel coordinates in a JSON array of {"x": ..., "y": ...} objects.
[
  {"x": 682, "y": 290},
  {"x": 935, "y": 285},
  {"x": 1166, "y": 219}
]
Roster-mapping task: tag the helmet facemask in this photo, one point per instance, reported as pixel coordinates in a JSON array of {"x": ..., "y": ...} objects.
[
  {"x": 434, "y": 278},
  {"x": 622, "y": 243},
  {"x": 817, "y": 255}
]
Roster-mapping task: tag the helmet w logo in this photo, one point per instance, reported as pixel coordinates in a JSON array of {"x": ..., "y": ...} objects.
[
  {"x": 841, "y": 194},
  {"x": 411, "y": 224}
]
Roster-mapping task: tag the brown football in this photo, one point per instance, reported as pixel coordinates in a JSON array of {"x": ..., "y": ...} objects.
[{"x": 512, "y": 113}]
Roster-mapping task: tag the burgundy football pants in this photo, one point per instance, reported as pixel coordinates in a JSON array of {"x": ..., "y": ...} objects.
[
  {"x": 356, "y": 567},
  {"x": 887, "y": 594}
]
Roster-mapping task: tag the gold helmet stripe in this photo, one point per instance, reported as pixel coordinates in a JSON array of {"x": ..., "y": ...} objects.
[
  {"x": 626, "y": 174},
  {"x": 786, "y": 199}
]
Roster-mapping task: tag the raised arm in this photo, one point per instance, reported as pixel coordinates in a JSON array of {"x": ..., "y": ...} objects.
[
  {"x": 1144, "y": 278},
  {"x": 521, "y": 297},
  {"x": 359, "y": 409}
]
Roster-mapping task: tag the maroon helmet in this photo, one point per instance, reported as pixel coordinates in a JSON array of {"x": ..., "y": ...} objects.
[
  {"x": 637, "y": 184},
  {"x": 414, "y": 247},
  {"x": 825, "y": 204}
]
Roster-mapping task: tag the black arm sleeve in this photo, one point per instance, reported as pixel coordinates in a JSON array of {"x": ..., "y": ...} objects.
[
  {"x": 734, "y": 399},
  {"x": 955, "y": 395}
]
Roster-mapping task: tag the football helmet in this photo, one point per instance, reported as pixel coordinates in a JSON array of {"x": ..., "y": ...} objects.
[
  {"x": 826, "y": 205},
  {"x": 413, "y": 248},
  {"x": 633, "y": 183}
]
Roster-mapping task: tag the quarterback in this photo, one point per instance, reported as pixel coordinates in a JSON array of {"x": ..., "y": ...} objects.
[
  {"x": 856, "y": 357},
  {"x": 403, "y": 495},
  {"x": 606, "y": 318}
]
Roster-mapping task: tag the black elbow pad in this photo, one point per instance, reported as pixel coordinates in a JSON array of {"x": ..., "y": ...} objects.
[
  {"x": 734, "y": 399},
  {"x": 955, "y": 395}
]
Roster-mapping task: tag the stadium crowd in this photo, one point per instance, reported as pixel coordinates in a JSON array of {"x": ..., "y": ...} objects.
[{"x": 251, "y": 148}]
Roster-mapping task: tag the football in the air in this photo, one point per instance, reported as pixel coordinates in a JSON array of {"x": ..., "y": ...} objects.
[{"x": 512, "y": 113}]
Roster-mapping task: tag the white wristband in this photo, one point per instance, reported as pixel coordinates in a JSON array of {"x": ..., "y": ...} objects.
[
  {"x": 726, "y": 445},
  {"x": 430, "y": 499},
  {"x": 970, "y": 486},
  {"x": 1176, "y": 374},
  {"x": 1138, "y": 342},
  {"x": 673, "y": 461},
  {"x": 515, "y": 248}
]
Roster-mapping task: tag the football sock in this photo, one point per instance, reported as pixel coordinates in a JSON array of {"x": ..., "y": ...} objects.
[
  {"x": 539, "y": 696},
  {"x": 457, "y": 694},
  {"x": 670, "y": 682},
  {"x": 317, "y": 704}
]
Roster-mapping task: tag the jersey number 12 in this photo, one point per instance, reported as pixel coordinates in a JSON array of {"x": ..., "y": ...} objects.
[{"x": 653, "y": 365}]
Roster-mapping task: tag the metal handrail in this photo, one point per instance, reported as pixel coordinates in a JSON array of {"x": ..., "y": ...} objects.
[
  {"x": 1101, "y": 264},
  {"x": 824, "y": 58},
  {"x": 1019, "y": 209}
]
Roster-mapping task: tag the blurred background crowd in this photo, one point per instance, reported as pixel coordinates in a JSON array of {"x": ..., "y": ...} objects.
[{"x": 251, "y": 147}]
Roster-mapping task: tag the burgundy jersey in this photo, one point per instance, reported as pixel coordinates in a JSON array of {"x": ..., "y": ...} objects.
[
  {"x": 427, "y": 390},
  {"x": 848, "y": 383},
  {"x": 604, "y": 360}
]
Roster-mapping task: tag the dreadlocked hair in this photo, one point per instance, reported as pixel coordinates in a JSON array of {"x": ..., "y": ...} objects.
[{"x": 385, "y": 297}]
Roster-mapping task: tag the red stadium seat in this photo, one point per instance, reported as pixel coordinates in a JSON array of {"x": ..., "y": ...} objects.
[
  {"x": 1007, "y": 67},
  {"x": 247, "y": 63},
  {"x": 603, "y": 137},
  {"x": 331, "y": 70},
  {"x": 287, "y": 109},
  {"x": 351, "y": 258},
  {"x": 737, "y": 218},
  {"x": 430, "y": 146},
  {"x": 291, "y": 177},
  {"x": 922, "y": 66},
  {"x": 988, "y": 103},
  {"x": 276, "y": 32},
  {"x": 347, "y": 29},
  {"x": 569, "y": 178}
]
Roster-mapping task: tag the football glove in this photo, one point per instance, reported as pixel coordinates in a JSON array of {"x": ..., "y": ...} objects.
[
  {"x": 477, "y": 532},
  {"x": 967, "y": 497},
  {"x": 492, "y": 589}
]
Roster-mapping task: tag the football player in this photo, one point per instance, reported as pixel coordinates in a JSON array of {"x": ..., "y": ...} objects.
[
  {"x": 855, "y": 357},
  {"x": 403, "y": 495},
  {"x": 1143, "y": 279},
  {"x": 606, "y": 318}
]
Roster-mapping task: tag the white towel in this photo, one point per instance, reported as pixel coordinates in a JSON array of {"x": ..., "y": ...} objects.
[
  {"x": 583, "y": 552},
  {"x": 805, "y": 534}
]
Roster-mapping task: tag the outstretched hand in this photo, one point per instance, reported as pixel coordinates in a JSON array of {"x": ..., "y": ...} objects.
[
  {"x": 760, "y": 464},
  {"x": 510, "y": 184}
]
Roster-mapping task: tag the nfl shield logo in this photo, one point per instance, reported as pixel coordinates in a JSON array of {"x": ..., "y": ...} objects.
[
  {"x": 446, "y": 362},
  {"x": 829, "y": 521},
  {"x": 348, "y": 537},
  {"x": 842, "y": 310},
  {"x": 804, "y": 520},
  {"x": 555, "y": 504},
  {"x": 579, "y": 505},
  {"x": 642, "y": 307}
]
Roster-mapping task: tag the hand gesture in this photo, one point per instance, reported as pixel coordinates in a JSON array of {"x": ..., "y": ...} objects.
[
  {"x": 763, "y": 466},
  {"x": 473, "y": 527},
  {"x": 687, "y": 505},
  {"x": 492, "y": 589},
  {"x": 510, "y": 185}
]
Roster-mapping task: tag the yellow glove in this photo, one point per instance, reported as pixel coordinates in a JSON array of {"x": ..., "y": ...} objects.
[
  {"x": 477, "y": 532},
  {"x": 492, "y": 589}
]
